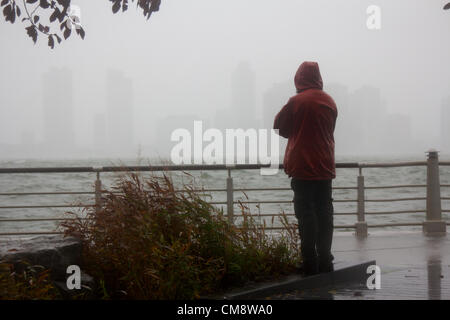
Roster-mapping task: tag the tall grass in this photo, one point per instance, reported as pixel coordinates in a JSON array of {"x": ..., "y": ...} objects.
[
  {"x": 150, "y": 241},
  {"x": 31, "y": 282}
]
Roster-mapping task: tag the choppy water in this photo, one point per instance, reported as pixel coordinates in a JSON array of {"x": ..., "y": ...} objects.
[{"x": 60, "y": 182}]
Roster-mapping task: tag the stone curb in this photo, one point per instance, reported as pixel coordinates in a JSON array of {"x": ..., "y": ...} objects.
[{"x": 346, "y": 273}]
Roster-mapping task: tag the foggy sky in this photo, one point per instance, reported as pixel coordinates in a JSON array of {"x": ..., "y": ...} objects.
[{"x": 182, "y": 60}]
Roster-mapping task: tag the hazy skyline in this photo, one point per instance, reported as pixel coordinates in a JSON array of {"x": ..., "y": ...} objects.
[{"x": 181, "y": 62}]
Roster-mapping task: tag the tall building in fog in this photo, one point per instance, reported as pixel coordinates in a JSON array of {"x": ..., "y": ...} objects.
[
  {"x": 100, "y": 133},
  {"x": 345, "y": 124},
  {"x": 58, "y": 110},
  {"x": 242, "y": 111},
  {"x": 398, "y": 136},
  {"x": 369, "y": 113},
  {"x": 445, "y": 125},
  {"x": 119, "y": 115}
]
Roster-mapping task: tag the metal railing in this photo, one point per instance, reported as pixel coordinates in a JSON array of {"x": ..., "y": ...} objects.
[{"x": 433, "y": 223}]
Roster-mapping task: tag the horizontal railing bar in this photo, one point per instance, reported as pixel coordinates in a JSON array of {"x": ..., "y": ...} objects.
[
  {"x": 401, "y": 224},
  {"x": 152, "y": 168},
  {"x": 397, "y": 186},
  {"x": 393, "y": 164},
  {"x": 236, "y": 216},
  {"x": 398, "y": 199},
  {"x": 283, "y": 228},
  {"x": 284, "y": 189},
  {"x": 30, "y": 233},
  {"x": 396, "y": 212},
  {"x": 289, "y": 214},
  {"x": 48, "y": 206},
  {"x": 41, "y": 219},
  {"x": 42, "y": 193},
  {"x": 342, "y": 165},
  {"x": 106, "y": 191},
  {"x": 281, "y": 201}
]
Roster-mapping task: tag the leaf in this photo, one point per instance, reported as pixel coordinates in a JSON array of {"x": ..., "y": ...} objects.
[
  {"x": 51, "y": 42},
  {"x": 44, "y": 4},
  {"x": 62, "y": 15},
  {"x": 447, "y": 6},
  {"x": 64, "y": 3},
  {"x": 67, "y": 33},
  {"x": 125, "y": 5},
  {"x": 4, "y": 2},
  {"x": 32, "y": 32},
  {"x": 32, "y": 1},
  {"x": 81, "y": 33},
  {"x": 116, "y": 7},
  {"x": 9, "y": 13},
  {"x": 36, "y": 19},
  {"x": 58, "y": 38},
  {"x": 18, "y": 12},
  {"x": 55, "y": 15}
]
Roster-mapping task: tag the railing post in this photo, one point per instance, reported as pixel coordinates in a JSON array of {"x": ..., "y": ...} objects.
[
  {"x": 361, "y": 224},
  {"x": 230, "y": 198},
  {"x": 433, "y": 225},
  {"x": 98, "y": 193}
]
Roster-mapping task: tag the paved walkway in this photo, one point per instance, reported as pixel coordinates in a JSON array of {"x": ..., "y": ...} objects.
[{"x": 412, "y": 267}]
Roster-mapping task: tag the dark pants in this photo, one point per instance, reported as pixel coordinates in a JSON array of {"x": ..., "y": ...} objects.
[{"x": 313, "y": 206}]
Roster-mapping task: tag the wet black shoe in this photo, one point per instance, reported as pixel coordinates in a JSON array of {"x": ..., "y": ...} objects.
[
  {"x": 307, "y": 270},
  {"x": 325, "y": 268}
]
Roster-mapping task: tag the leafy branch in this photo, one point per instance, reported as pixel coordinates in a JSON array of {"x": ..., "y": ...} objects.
[{"x": 60, "y": 13}]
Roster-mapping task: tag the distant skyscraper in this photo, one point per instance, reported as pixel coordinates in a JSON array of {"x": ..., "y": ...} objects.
[
  {"x": 243, "y": 103},
  {"x": 369, "y": 116},
  {"x": 58, "y": 109},
  {"x": 397, "y": 137},
  {"x": 100, "y": 136},
  {"x": 345, "y": 124},
  {"x": 119, "y": 105},
  {"x": 445, "y": 125}
]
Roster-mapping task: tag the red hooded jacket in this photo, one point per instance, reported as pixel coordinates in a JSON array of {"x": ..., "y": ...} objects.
[{"x": 308, "y": 121}]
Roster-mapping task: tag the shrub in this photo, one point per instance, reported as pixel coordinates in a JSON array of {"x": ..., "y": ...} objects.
[
  {"x": 31, "y": 283},
  {"x": 150, "y": 241}
]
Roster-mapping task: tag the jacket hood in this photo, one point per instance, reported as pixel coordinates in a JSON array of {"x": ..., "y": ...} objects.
[{"x": 308, "y": 77}]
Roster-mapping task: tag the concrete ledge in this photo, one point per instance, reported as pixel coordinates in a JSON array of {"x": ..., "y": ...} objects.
[{"x": 344, "y": 273}]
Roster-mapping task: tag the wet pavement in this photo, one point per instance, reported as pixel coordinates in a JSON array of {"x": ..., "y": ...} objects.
[{"x": 412, "y": 267}]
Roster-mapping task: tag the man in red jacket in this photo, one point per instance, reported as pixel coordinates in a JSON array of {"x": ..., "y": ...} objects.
[{"x": 308, "y": 121}]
